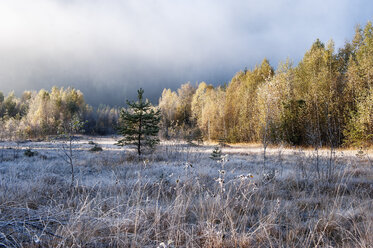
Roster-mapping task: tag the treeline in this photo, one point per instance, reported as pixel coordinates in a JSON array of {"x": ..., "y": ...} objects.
[
  {"x": 327, "y": 99},
  {"x": 43, "y": 113}
]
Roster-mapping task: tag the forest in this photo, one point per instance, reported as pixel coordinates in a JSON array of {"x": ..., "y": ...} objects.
[{"x": 324, "y": 100}]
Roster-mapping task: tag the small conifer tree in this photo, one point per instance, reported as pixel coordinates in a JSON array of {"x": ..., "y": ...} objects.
[
  {"x": 139, "y": 124},
  {"x": 216, "y": 154}
]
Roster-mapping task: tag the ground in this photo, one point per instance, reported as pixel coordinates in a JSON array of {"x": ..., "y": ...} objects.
[{"x": 178, "y": 197}]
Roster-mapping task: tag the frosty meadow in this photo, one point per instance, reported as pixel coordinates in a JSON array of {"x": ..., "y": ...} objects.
[{"x": 179, "y": 197}]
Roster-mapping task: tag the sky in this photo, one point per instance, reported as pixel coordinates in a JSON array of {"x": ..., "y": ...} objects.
[{"x": 110, "y": 48}]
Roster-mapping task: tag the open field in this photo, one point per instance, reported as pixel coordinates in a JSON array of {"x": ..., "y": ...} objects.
[{"x": 179, "y": 197}]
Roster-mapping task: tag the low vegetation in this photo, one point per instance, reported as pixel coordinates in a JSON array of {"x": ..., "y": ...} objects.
[{"x": 179, "y": 197}]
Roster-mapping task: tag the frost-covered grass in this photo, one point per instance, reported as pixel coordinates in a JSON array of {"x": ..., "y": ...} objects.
[{"x": 178, "y": 195}]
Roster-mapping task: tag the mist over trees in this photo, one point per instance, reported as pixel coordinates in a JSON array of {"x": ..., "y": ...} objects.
[{"x": 325, "y": 100}]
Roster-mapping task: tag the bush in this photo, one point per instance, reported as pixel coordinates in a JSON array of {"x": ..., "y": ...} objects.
[
  {"x": 30, "y": 153},
  {"x": 96, "y": 148}
]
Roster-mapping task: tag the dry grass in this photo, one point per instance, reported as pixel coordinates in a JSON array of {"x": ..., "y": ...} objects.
[{"x": 175, "y": 197}]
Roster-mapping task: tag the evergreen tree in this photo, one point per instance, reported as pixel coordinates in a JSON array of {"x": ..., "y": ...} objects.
[
  {"x": 139, "y": 124},
  {"x": 216, "y": 154}
]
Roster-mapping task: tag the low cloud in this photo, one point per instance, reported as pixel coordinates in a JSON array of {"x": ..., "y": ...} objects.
[{"x": 109, "y": 48}]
